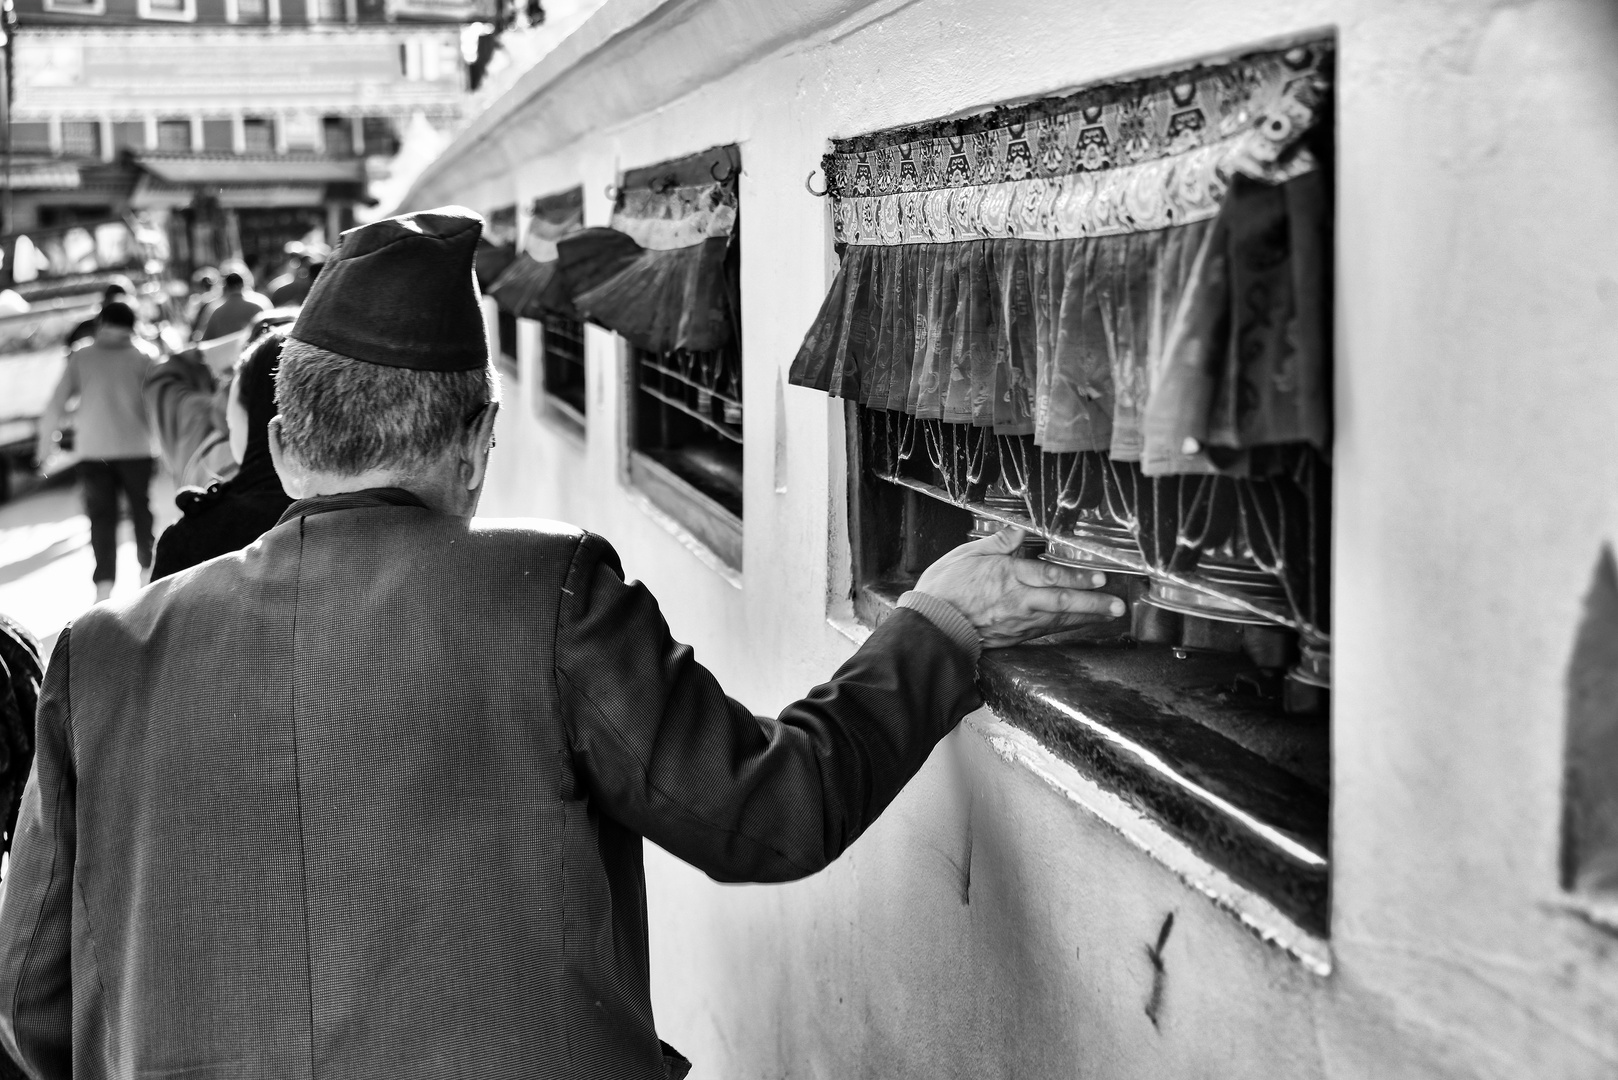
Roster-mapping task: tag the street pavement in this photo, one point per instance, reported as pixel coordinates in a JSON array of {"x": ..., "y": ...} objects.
[{"x": 45, "y": 559}]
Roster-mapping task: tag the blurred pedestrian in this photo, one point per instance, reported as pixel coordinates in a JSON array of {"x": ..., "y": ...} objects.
[
  {"x": 112, "y": 436},
  {"x": 233, "y": 312},
  {"x": 186, "y": 409},
  {"x": 230, "y": 514},
  {"x": 205, "y": 289},
  {"x": 290, "y": 288},
  {"x": 118, "y": 290}
]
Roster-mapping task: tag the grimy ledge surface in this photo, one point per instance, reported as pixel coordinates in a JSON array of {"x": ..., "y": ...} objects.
[{"x": 1183, "y": 741}]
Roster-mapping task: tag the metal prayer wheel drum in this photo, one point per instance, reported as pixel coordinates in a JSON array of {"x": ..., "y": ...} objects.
[
  {"x": 1214, "y": 591},
  {"x": 1012, "y": 506},
  {"x": 1152, "y": 624},
  {"x": 1308, "y": 684},
  {"x": 1209, "y": 602},
  {"x": 1110, "y": 549},
  {"x": 1096, "y": 545}
]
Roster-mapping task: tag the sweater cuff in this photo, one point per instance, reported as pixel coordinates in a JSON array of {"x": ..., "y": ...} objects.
[{"x": 949, "y": 620}]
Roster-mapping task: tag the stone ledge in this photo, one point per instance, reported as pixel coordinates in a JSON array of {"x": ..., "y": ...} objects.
[{"x": 1242, "y": 788}]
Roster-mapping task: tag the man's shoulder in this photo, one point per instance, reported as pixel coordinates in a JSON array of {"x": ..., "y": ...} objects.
[
  {"x": 489, "y": 540},
  {"x": 127, "y": 625},
  {"x": 523, "y": 532}
]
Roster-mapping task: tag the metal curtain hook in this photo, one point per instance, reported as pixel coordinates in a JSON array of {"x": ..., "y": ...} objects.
[
  {"x": 612, "y": 193},
  {"x": 809, "y": 185},
  {"x": 730, "y": 172}
]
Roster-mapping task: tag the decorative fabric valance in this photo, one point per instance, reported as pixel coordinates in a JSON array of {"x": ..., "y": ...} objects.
[
  {"x": 497, "y": 247},
  {"x": 1139, "y": 268},
  {"x": 531, "y": 286},
  {"x": 664, "y": 276}
]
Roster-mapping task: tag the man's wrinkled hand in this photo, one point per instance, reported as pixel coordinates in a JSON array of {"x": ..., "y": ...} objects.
[{"x": 1010, "y": 599}]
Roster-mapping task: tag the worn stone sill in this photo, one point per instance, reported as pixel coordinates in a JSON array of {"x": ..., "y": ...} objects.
[
  {"x": 1242, "y": 793},
  {"x": 562, "y": 418},
  {"x": 688, "y": 516}
]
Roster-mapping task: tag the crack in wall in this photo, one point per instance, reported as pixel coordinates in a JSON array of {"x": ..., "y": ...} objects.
[{"x": 1154, "y": 1003}]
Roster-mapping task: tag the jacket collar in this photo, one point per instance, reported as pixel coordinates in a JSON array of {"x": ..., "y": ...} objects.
[{"x": 351, "y": 500}]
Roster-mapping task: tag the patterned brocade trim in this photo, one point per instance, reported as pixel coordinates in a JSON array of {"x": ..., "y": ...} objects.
[
  {"x": 676, "y": 217},
  {"x": 1102, "y": 128},
  {"x": 1138, "y": 198}
]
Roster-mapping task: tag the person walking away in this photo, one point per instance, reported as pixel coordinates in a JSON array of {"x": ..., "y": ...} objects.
[
  {"x": 368, "y": 798},
  {"x": 233, "y": 312},
  {"x": 112, "y": 436},
  {"x": 205, "y": 289},
  {"x": 86, "y": 330},
  {"x": 291, "y": 288},
  {"x": 230, "y": 514}
]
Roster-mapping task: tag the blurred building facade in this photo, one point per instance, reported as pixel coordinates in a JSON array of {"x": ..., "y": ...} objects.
[{"x": 233, "y": 126}]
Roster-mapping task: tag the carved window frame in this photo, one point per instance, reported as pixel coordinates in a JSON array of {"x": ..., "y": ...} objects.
[{"x": 1242, "y": 784}]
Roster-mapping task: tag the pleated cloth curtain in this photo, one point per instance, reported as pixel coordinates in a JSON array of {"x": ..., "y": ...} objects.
[
  {"x": 663, "y": 275},
  {"x": 532, "y": 286},
  {"x": 1139, "y": 268}
]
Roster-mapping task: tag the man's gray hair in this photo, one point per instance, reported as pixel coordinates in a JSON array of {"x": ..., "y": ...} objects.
[{"x": 345, "y": 416}]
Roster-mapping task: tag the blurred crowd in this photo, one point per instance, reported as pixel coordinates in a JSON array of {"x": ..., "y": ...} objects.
[{"x": 182, "y": 383}]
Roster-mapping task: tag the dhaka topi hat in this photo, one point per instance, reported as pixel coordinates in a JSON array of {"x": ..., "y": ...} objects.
[{"x": 399, "y": 292}]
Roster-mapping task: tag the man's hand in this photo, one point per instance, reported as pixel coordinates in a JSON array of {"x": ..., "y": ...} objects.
[{"x": 1009, "y": 599}]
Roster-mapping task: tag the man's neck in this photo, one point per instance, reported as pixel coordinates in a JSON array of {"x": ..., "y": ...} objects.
[
  {"x": 431, "y": 490},
  {"x": 113, "y": 338},
  {"x": 317, "y": 484}
]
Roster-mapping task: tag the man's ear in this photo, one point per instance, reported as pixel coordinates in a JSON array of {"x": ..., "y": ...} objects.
[
  {"x": 291, "y": 477},
  {"x": 475, "y": 449}
]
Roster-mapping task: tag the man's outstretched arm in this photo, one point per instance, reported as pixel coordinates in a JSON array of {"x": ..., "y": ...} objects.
[
  {"x": 36, "y": 899},
  {"x": 745, "y": 798}
]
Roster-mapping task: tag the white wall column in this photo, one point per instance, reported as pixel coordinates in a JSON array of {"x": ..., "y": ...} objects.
[
  {"x": 151, "y": 131},
  {"x": 108, "y": 153},
  {"x": 238, "y": 133},
  {"x": 55, "y": 134},
  {"x": 359, "y": 135},
  {"x": 275, "y": 11},
  {"x": 280, "y": 122},
  {"x": 196, "y": 132}
]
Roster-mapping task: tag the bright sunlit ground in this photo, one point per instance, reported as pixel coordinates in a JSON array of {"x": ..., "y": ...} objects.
[{"x": 45, "y": 559}]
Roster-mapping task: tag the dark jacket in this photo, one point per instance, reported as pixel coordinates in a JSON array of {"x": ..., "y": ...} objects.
[
  {"x": 367, "y": 798},
  {"x": 228, "y": 515},
  {"x": 20, "y": 673}
]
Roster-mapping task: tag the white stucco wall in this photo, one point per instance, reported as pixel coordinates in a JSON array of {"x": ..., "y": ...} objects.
[{"x": 1477, "y": 413}]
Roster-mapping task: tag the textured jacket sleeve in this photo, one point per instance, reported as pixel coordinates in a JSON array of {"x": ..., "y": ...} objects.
[
  {"x": 664, "y": 752},
  {"x": 36, "y": 900}
]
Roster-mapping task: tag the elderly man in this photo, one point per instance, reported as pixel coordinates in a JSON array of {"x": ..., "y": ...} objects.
[{"x": 367, "y": 799}]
